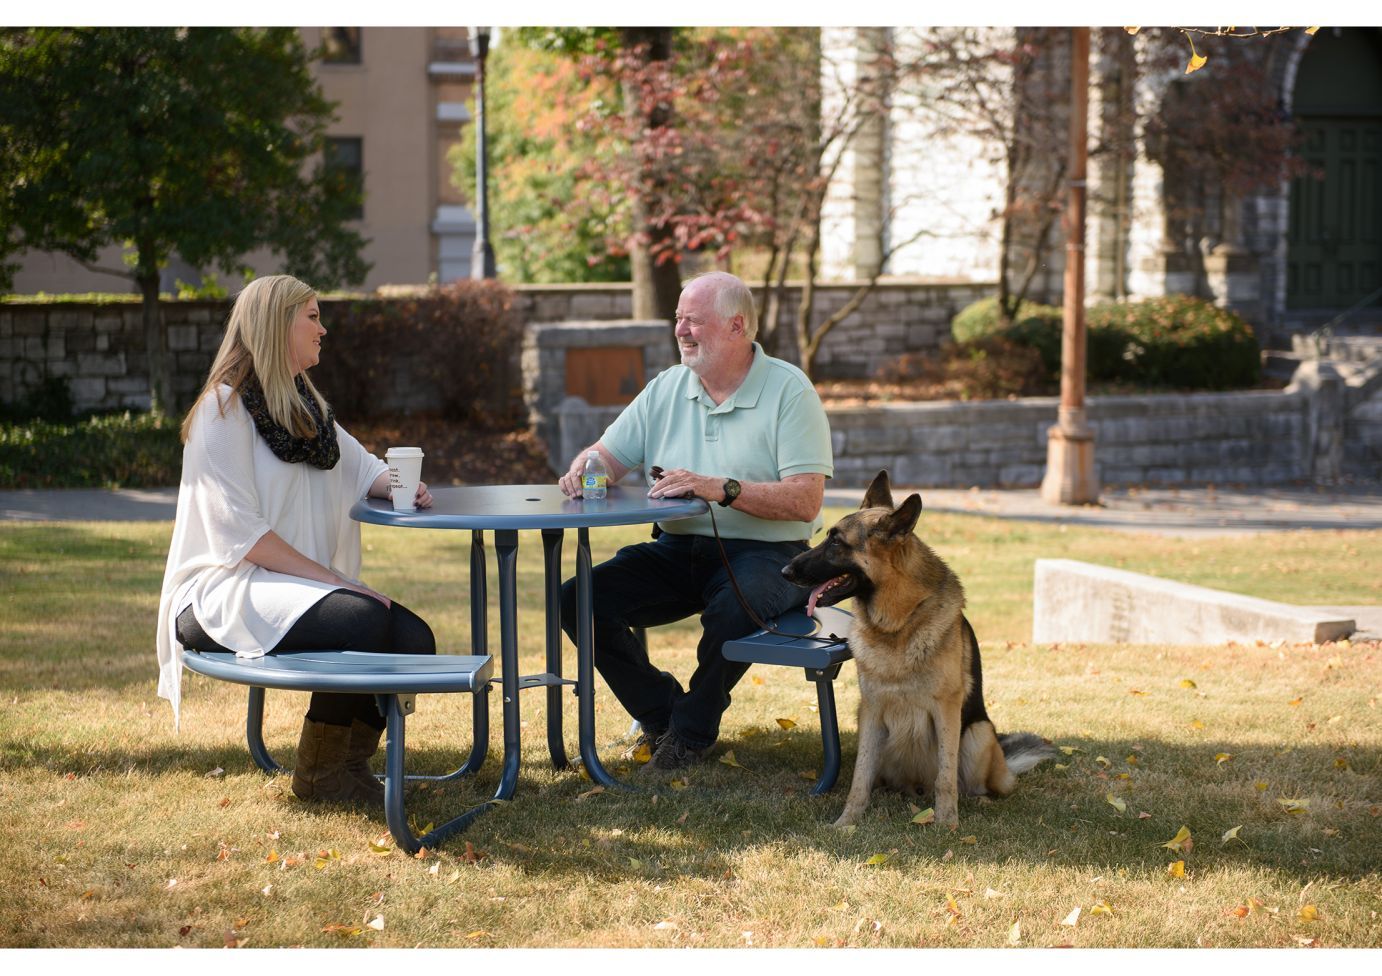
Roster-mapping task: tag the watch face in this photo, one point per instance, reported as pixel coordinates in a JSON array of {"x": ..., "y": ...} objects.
[{"x": 731, "y": 489}]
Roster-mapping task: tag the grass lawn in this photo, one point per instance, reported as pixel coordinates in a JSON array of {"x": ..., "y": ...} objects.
[{"x": 119, "y": 832}]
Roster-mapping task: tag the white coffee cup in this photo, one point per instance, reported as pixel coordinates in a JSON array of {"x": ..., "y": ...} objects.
[{"x": 405, "y": 471}]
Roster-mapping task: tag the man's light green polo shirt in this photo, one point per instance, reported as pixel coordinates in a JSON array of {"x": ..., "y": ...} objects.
[{"x": 770, "y": 428}]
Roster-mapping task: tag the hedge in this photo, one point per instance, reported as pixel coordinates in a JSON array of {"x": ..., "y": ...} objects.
[
  {"x": 1175, "y": 341},
  {"x": 126, "y": 450}
]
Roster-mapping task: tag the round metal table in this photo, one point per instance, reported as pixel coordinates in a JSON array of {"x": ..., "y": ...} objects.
[{"x": 505, "y": 510}]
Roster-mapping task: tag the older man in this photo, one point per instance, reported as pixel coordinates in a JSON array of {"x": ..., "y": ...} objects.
[{"x": 747, "y": 433}]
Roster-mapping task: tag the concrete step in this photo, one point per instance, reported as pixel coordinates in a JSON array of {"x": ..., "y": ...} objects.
[{"x": 1079, "y": 601}]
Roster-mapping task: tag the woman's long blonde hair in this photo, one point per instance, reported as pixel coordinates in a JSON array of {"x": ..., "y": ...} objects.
[{"x": 257, "y": 343}]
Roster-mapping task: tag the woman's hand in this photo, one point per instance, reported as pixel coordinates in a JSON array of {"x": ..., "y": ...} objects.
[
  {"x": 423, "y": 498},
  {"x": 364, "y": 590}
]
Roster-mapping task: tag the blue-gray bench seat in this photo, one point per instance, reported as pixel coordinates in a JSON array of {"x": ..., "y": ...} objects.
[
  {"x": 394, "y": 679},
  {"x": 819, "y": 647}
]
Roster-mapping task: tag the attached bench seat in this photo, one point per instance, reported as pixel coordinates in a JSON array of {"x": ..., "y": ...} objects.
[
  {"x": 394, "y": 679},
  {"x": 820, "y": 647}
]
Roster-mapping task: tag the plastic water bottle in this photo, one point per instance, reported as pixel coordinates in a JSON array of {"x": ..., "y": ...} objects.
[{"x": 595, "y": 481}]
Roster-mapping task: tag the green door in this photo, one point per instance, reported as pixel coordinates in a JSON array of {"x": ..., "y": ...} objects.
[{"x": 1334, "y": 233}]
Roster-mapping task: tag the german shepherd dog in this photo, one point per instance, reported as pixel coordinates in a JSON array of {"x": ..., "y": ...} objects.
[{"x": 922, "y": 723}]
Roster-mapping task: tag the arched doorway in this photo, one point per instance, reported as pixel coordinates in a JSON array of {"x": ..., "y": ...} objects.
[{"x": 1334, "y": 234}]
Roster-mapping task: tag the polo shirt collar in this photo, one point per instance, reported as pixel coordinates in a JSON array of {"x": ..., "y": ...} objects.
[{"x": 743, "y": 398}]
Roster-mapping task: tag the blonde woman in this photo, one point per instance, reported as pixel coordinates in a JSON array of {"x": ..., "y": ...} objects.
[{"x": 264, "y": 554}]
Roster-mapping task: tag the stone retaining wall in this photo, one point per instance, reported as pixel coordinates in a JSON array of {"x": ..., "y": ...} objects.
[
  {"x": 1222, "y": 438},
  {"x": 99, "y": 348}
]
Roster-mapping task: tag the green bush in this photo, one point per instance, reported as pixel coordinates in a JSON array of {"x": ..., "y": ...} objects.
[
  {"x": 1035, "y": 325},
  {"x": 112, "y": 451},
  {"x": 1175, "y": 341}
]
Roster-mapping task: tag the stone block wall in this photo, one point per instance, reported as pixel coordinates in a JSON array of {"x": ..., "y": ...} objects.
[
  {"x": 1221, "y": 438},
  {"x": 99, "y": 348}
]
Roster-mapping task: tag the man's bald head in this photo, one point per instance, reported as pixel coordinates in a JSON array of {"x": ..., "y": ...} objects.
[{"x": 731, "y": 297}]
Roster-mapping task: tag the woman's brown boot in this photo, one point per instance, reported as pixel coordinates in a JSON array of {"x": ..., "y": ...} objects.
[
  {"x": 364, "y": 743},
  {"x": 320, "y": 774}
]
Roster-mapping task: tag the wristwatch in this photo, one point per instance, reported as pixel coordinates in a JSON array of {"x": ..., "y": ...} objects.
[{"x": 731, "y": 489}]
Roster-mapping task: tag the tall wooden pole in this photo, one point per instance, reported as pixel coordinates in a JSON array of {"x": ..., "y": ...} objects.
[{"x": 1070, "y": 477}]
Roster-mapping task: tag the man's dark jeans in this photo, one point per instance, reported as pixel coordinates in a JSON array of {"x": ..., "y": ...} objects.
[{"x": 666, "y": 580}]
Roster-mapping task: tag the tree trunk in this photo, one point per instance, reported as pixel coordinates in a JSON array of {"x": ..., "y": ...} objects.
[
  {"x": 652, "y": 258},
  {"x": 155, "y": 345}
]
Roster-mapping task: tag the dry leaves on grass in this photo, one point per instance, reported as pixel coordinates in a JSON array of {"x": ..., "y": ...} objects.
[{"x": 1182, "y": 843}]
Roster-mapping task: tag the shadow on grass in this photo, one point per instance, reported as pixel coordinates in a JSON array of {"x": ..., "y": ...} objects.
[{"x": 558, "y": 825}]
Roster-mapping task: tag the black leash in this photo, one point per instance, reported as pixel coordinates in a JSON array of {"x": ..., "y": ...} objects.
[{"x": 656, "y": 473}]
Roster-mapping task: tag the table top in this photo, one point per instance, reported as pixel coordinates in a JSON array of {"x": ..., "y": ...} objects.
[{"x": 528, "y": 507}]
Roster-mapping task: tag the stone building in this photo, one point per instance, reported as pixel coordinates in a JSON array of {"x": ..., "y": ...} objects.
[{"x": 926, "y": 192}]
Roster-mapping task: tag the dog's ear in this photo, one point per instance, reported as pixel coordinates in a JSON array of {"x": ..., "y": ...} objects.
[
  {"x": 903, "y": 519},
  {"x": 880, "y": 493}
]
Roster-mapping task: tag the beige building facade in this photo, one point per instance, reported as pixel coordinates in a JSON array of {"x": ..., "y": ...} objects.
[{"x": 400, "y": 95}]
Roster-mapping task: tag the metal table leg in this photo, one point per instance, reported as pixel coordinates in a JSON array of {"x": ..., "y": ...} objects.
[
  {"x": 506, "y": 550},
  {"x": 551, "y": 547},
  {"x": 585, "y": 665}
]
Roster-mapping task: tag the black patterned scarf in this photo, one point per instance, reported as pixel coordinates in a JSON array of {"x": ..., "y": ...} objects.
[{"x": 321, "y": 451}]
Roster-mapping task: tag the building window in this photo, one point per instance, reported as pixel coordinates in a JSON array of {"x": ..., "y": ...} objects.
[
  {"x": 341, "y": 45},
  {"x": 345, "y": 160}
]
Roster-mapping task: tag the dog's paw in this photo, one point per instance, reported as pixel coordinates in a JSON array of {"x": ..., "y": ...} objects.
[{"x": 846, "y": 821}]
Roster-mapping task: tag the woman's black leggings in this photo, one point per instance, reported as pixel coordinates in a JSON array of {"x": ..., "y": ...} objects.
[{"x": 343, "y": 621}]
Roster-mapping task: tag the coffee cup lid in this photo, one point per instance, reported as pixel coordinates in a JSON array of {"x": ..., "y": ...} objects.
[{"x": 404, "y": 452}]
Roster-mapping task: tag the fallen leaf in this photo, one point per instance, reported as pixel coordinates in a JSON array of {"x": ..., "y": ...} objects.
[
  {"x": 1197, "y": 724},
  {"x": 679, "y": 784},
  {"x": 1187, "y": 683},
  {"x": 1070, "y": 750},
  {"x": 665, "y": 925},
  {"x": 1260, "y": 786},
  {"x": 786, "y": 723},
  {"x": 477, "y": 934},
  {"x": 1230, "y": 834},
  {"x": 971, "y": 839},
  {"x": 1295, "y": 702},
  {"x": 1223, "y": 757},
  {"x": 218, "y": 771},
  {"x": 1073, "y": 918},
  {"x": 1116, "y": 803},
  {"x": 271, "y": 857},
  {"x": 756, "y": 680},
  {"x": 1015, "y": 934},
  {"x": 729, "y": 760},
  {"x": 1240, "y": 911},
  {"x": 1131, "y": 760},
  {"x": 1176, "y": 869},
  {"x": 877, "y": 859},
  {"x": 594, "y": 791},
  {"x": 1101, "y": 908},
  {"x": 1340, "y": 763},
  {"x": 1330, "y": 831},
  {"x": 1309, "y": 913},
  {"x": 1102, "y": 761},
  {"x": 1294, "y": 806},
  {"x": 1144, "y": 815},
  {"x": 345, "y": 930},
  {"x": 636, "y": 864},
  {"x": 991, "y": 893},
  {"x": 1180, "y": 843},
  {"x": 1303, "y": 941},
  {"x": 925, "y": 816},
  {"x": 1138, "y": 692},
  {"x": 644, "y": 753}
]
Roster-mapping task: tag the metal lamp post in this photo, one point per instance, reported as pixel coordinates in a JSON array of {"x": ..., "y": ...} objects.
[{"x": 482, "y": 255}]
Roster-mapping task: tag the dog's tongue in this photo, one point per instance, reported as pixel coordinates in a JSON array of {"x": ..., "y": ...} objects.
[{"x": 815, "y": 595}]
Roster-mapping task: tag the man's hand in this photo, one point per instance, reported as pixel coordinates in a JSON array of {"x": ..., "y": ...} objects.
[
  {"x": 678, "y": 483},
  {"x": 570, "y": 483}
]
